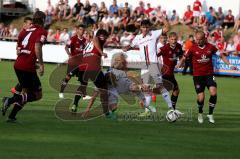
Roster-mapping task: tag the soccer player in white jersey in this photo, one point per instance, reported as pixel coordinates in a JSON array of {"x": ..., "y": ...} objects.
[{"x": 147, "y": 43}]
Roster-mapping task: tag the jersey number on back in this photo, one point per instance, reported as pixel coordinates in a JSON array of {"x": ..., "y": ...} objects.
[{"x": 26, "y": 40}]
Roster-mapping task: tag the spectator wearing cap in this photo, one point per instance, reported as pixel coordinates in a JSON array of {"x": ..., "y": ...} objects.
[
  {"x": 113, "y": 8},
  {"x": 229, "y": 19},
  {"x": 188, "y": 16},
  {"x": 174, "y": 19},
  {"x": 77, "y": 8}
]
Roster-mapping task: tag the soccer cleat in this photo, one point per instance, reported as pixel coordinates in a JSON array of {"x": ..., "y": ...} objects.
[
  {"x": 111, "y": 116},
  {"x": 178, "y": 113},
  {"x": 61, "y": 95},
  {"x": 87, "y": 97},
  {"x": 150, "y": 109},
  {"x": 200, "y": 118},
  {"x": 5, "y": 106},
  {"x": 11, "y": 120},
  {"x": 74, "y": 108},
  {"x": 145, "y": 114},
  {"x": 211, "y": 119}
]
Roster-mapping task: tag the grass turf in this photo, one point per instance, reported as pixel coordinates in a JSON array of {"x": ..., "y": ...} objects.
[{"x": 39, "y": 134}]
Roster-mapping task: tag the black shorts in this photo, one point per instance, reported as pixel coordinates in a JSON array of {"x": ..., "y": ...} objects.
[
  {"x": 200, "y": 82},
  {"x": 72, "y": 70},
  {"x": 172, "y": 80},
  {"x": 28, "y": 80}
]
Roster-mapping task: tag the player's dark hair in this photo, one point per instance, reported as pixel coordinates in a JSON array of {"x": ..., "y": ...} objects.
[
  {"x": 146, "y": 22},
  {"x": 190, "y": 36},
  {"x": 81, "y": 26},
  {"x": 27, "y": 19},
  {"x": 102, "y": 32},
  {"x": 39, "y": 18},
  {"x": 173, "y": 34}
]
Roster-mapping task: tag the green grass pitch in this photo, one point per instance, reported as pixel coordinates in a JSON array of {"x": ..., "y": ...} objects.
[{"x": 39, "y": 134}]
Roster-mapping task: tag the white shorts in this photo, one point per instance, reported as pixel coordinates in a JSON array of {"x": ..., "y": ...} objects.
[
  {"x": 153, "y": 72},
  {"x": 196, "y": 13}
]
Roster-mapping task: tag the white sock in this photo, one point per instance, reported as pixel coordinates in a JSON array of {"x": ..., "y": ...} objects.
[
  {"x": 167, "y": 98},
  {"x": 148, "y": 100}
]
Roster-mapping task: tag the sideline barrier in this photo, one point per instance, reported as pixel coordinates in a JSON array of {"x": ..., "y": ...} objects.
[{"x": 56, "y": 54}]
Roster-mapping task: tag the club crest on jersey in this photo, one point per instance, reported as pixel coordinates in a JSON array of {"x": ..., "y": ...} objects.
[{"x": 197, "y": 86}]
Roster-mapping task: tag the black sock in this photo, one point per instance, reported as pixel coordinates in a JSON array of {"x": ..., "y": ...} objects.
[
  {"x": 17, "y": 107},
  {"x": 200, "y": 106},
  {"x": 212, "y": 103},
  {"x": 63, "y": 85},
  {"x": 174, "y": 101},
  {"x": 15, "y": 98},
  {"x": 76, "y": 99}
]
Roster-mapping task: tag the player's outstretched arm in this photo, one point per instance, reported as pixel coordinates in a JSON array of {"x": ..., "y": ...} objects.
[
  {"x": 166, "y": 26},
  {"x": 181, "y": 62},
  {"x": 38, "y": 52}
]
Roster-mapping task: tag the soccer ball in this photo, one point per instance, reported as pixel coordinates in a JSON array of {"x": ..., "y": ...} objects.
[{"x": 171, "y": 116}]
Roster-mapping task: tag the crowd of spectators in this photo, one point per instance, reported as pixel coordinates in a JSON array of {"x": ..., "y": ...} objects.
[{"x": 122, "y": 22}]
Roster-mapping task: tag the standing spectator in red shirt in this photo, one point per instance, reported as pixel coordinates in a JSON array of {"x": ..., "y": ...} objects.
[
  {"x": 188, "y": 16},
  {"x": 197, "y": 8},
  {"x": 140, "y": 9},
  {"x": 229, "y": 20},
  {"x": 217, "y": 33}
]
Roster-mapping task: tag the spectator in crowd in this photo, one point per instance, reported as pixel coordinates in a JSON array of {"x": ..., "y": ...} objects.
[
  {"x": 57, "y": 35},
  {"x": 92, "y": 16},
  {"x": 124, "y": 21},
  {"x": 126, "y": 39},
  {"x": 113, "y": 40},
  {"x": 13, "y": 32},
  {"x": 174, "y": 19},
  {"x": 220, "y": 17},
  {"x": 197, "y": 9},
  {"x": 50, "y": 36},
  {"x": 202, "y": 21},
  {"x": 140, "y": 9},
  {"x": 221, "y": 44},
  {"x": 229, "y": 20},
  {"x": 49, "y": 14},
  {"x": 231, "y": 49},
  {"x": 102, "y": 10},
  {"x": 106, "y": 20},
  {"x": 1, "y": 29},
  {"x": 217, "y": 33},
  {"x": 64, "y": 36},
  {"x": 80, "y": 15},
  {"x": 60, "y": 10},
  {"x": 5, "y": 32},
  {"x": 77, "y": 8},
  {"x": 237, "y": 24},
  {"x": 113, "y": 8},
  {"x": 188, "y": 16},
  {"x": 87, "y": 7},
  {"x": 236, "y": 38},
  {"x": 67, "y": 11},
  {"x": 126, "y": 9},
  {"x": 149, "y": 10},
  {"x": 210, "y": 15},
  {"x": 115, "y": 20}
]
